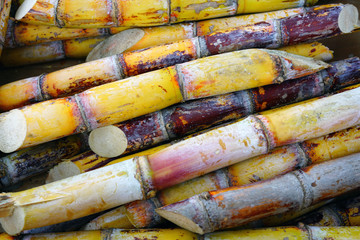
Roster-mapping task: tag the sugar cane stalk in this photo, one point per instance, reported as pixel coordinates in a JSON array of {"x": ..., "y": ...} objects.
[
  {"x": 121, "y": 13},
  {"x": 28, "y": 162},
  {"x": 122, "y": 100},
  {"x": 21, "y": 34},
  {"x": 340, "y": 213},
  {"x": 127, "y": 41},
  {"x": 139, "y": 178},
  {"x": 231, "y": 207},
  {"x": 182, "y": 119},
  {"x": 4, "y": 18},
  {"x": 141, "y": 214},
  {"x": 49, "y": 51},
  {"x": 302, "y": 232},
  {"x": 77, "y": 78}
]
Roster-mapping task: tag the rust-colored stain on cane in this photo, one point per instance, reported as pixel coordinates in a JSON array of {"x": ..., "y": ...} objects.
[
  {"x": 161, "y": 62},
  {"x": 143, "y": 131},
  {"x": 268, "y": 207}
]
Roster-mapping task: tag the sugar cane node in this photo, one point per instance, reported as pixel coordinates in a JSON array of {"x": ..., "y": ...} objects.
[{"x": 108, "y": 141}]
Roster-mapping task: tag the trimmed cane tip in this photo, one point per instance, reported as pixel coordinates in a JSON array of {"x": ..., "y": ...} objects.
[
  {"x": 348, "y": 18},
  {"x": 12, "y": 130},
  {"x": 108, "y": 141},
  {"x": 62, "y": 170},
  {"x": 24, "y": 9},
  {"x": 180, "y": 220},
  {"x": 116, "y": 44}
]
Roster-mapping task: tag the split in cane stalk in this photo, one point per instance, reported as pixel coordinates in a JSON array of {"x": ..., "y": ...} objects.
[
  {"x": 226, "y": 208},
  {"x": 122, "y": 100},
  {"x": 109, "y": 69},
  {"x": 122, "y": 13},
  {"x": 4, "y": 18},
  {"x": 139, "y": 178},
  {"x": 302, "y": 232},
  {"x": 141, "y": 214}
]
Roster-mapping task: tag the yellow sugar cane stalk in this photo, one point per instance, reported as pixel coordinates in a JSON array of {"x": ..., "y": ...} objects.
[
  {"x": 144, "y": 37},
  {"x": 281, "y": 160},
  {"x": 49, "y": 51},
  {"x": 231, "y": 207},
  {"x": 302, "y": 232},
  {"x": 21, "y": 34},
  {"x": 121, "y": 100},
  {"x": 140, "y": 177},
  {"x": 139, "y": 38},
  {"x": 4, "y": 18},
  {"x": 91, "y": 13},
  {"x": 133, "y": 39},
  {"x": 71, "y": 80}
]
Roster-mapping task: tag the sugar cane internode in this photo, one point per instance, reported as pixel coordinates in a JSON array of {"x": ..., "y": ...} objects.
[
  {"x": 141, "y": 177},
  {"x": 67, "y": 13},
  {"x": 122, "y": 100},
  {"x": 226, "y": 208}
]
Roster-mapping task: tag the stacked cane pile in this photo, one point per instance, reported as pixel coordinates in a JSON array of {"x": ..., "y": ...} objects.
[{"x": 227, "y": 117}]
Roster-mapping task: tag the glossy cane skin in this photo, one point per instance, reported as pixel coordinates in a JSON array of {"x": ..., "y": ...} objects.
[
  {"x": 72, "y": 80},
  {"x": 231, "y": 207},
  {"x": 190, "y": 117},
  {"x": 141, "y": 214},
  {"x": 143, "y": 176},
  {"x": 65, "y": 13},
  {"x": 100, "y": 106}
]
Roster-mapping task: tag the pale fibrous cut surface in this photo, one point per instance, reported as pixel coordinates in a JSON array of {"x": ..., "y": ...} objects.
[
  {"x": 108, "y": 141},
  {"x": 348, "y": 19},
  {"x": 24, "y": 9},
  {"x": 62, "y": 170},
  {"x": 12, "y": 130},
  {"x": 116, "y": 44}
]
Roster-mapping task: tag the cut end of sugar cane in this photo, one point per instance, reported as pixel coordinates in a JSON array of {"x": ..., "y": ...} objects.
[
  {"x": 62, "y": 170},
  {"x": 108, "y": 141},
  {"x": 12, "y": 130},
  {"x": 180, "y": 220},
  {"x": 296, "y": 66},
  {"x": 116, "y": 44},
  {"x": 348, "y": 19},
  {"x": 11, "y": 217},
  {"x": 24, "y": 8},
  {"x": 189, "y": 214}
]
